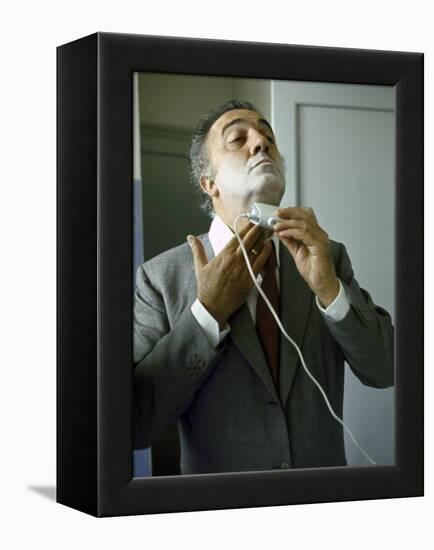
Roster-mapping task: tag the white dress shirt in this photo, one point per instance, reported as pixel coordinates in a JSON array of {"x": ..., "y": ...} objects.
[{"x": 219, "y": 236}]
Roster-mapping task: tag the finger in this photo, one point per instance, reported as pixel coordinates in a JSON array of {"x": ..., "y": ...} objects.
[
  {"x": 292, "y": 245},
  {"x": 253, "y": 254},
  {"x": 234, "y": 243},
  {"x": 199, "y": 255},
  {"x": 252, "y": 238},
  {"x": 259, "y": 263},
  {"x": 303, "y": 235},
  {"x": 290, "y": 224},
  {"x": 295, "y": 212}
]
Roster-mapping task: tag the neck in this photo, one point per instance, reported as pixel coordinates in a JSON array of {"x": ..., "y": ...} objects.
[{"x": 229, "y": 216}]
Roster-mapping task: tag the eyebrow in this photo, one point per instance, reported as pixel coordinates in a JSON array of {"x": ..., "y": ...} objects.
[{"x": 237, "y": 120}]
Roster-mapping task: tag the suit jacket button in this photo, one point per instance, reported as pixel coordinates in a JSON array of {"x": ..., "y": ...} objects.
[
  {"x": 199, "y": 361},
  {"x": 284, "y": 466}
]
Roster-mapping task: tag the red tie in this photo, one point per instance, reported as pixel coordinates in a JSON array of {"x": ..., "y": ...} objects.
[{"x": 266, "y": 325}]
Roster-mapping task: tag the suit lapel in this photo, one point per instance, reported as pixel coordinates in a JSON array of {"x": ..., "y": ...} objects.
[
  {"x": 295, "y": 302},
  {"x": 244, "y": 336}
]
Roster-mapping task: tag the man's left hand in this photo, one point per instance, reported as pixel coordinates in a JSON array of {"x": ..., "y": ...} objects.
[{"x": 308, "y": 244}]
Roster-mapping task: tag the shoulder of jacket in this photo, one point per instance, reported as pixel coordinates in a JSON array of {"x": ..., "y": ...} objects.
[
  {"x": 336, "y": 250},
  {"x": 173, "y": 262}
]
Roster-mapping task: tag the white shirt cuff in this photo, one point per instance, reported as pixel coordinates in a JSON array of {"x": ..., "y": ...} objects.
[
  {"x": 208, "y": 324},
  {"x": 337, "y": 310}
]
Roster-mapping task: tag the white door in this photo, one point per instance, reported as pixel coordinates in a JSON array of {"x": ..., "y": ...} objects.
[{"x": 338, "y": 143}]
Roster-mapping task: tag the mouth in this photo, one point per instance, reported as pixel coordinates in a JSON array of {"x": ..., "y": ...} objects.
[{"x": 262, "y": 161}]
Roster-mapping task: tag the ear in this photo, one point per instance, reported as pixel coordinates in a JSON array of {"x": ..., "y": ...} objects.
[{"x": 209, "y": 186}]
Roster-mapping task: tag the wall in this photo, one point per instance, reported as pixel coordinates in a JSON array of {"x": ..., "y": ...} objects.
[{"x": 179, "y": 100}]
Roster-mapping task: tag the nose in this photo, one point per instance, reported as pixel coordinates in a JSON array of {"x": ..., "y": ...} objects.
[{"x": 259, "y": 143}]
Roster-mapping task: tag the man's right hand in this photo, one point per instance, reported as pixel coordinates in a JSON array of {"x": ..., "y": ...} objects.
[{"x": 224, "y": 283}]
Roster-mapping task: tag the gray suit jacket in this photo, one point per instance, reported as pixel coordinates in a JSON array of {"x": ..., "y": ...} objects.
[{"x": 230, "y": 415}]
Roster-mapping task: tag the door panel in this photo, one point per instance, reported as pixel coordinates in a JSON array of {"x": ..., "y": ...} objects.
[{"x": 338, "y": 142}]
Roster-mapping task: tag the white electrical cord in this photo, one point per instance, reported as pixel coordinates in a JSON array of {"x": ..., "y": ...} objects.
[{"x": 261, "y": 292}]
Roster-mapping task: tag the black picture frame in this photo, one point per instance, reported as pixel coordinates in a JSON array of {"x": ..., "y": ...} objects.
[{"x": 94, "y": 274}]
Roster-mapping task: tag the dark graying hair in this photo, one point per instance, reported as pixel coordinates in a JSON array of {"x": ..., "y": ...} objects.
[{"x": 198, "y": 157}]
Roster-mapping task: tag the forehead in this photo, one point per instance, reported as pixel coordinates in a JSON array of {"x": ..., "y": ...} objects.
[{"x": 240, "y": 116}]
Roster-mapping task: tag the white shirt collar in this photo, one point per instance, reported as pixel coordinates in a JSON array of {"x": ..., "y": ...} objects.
[{"x": 220, "y": 234}]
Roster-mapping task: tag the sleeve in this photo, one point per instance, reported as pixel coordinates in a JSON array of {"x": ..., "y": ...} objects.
[
  {"x": 171, "y": 362},
  {"x": 208, "y": 324},
  {"x": 366, "y": 334},
  {"x": 337, "y": 310}
]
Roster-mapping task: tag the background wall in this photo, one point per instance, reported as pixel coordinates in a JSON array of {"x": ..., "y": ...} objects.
[
  {"x": 196, "y": 95},
  {"x": 30, "y": 33},
  {"x": 339, "y": 142}
]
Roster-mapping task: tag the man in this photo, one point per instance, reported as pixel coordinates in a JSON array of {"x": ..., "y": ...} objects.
[{"x": 201, "y": 354}]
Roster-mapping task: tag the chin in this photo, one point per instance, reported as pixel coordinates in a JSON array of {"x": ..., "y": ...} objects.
[{"x": 271, "y": 192}]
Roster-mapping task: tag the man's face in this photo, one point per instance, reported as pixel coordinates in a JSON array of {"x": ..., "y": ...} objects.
[{"x": 245, "y": 163}]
